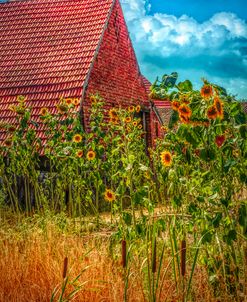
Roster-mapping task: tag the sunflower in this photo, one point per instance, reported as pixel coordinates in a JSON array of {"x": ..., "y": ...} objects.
[
  {"x": 109, "y": 195},
  {"x": 206, "y": 91},
  {"x": 175, "y": 105},
  {"x": 77, "y": 138},
  {"x": 93, "y": 99},
  {"x": 62, "y": 108},
  {"x": 2, "y": 125},
  {"x": 138, "y": 108},
  {"x": 147, "y": 175},
  {"x": 11, "y": 128},
  {"x": 79, "y": 153},
  {"x": 140, "y": 126},
  {"x": 114, "y": 120},
  {"x": 185, "y": 111},
  {"x": 37, "y": 147},
  {"x": 20, "y": 110},
  {"x": 113, "y": 113},
  {"x": 91, "y": 155},
  {"x": 21, "y": 99},
  {"x": 76, "y": 102},
  {"x": 43, "y": 111},
  {"x": 166, "y": 158},
  {"x": 68, "y": 101},
  {"x": 8, "y": 142},
  {"x": 184, "y": 99},
  {"x": 165, "y": 128},
  {"x": 128, "y": 119},
  {"x": 135, "y": 123},
  {"x": 131, "y": 109},
  {"x": 12, "y": 108},
  {"x": 212, "y": 112},
  {"x": 219, "y": 107},
  {"x": 184, "y": 119}
]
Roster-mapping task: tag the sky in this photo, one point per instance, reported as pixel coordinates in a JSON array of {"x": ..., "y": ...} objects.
[{"x": 196, "y": 38}]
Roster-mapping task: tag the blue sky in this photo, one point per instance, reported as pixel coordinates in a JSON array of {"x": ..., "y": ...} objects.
[{"x": 196, "y": 38}]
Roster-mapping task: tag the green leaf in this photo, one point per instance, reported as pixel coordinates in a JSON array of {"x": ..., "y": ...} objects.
[
  {"x": 173, "y": 119},
  {"x": 243, "y": 131},
  {"x": 35, "y": 124},
  {"x": 207, "y": 236},
  {"x": 231, "y": 236},
  {"x": 216, "y": 220},
  {"x": 243, "y": 178},
  {"x": 140, "y": 229},
  {"x": 221, "y": 90},
  {"x": 161, "y": 224},
  {"x": 207, "y": 154},
  {"x": 169, "y": 81},
  {"x": 228, "y": 165},
  {"x": 242, "y": 217},
  {"x": 200, "y": 199},
  {"x": 193, "y": 209},
  {"x": 177, "y": 201},
  {"x": 139, "y": 196},
  {"x": 127, "y": 218},
  {"x": 191, "y": 138},
  {"x": 240, "y": 118},
  {"x": 185, "y": 86}
]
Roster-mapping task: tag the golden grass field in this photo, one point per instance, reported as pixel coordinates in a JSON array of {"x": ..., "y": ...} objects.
[{"x": 31, "y": 266}]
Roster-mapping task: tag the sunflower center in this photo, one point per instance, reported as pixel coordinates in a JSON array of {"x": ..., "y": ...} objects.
[
  {"x": 213, "y": 111},
  {"x": 218, "y": 106},
  {"x": 167, "y": 157},
  {"x": 184, "y": 110}
]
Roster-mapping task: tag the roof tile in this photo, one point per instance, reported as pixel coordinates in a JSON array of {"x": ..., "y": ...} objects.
[{"x": 46, "y": 49}]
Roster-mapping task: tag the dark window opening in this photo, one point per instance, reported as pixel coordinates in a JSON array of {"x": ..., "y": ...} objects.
[{"x": 156, "y": 129}]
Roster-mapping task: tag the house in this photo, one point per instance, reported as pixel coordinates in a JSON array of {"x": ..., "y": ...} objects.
[
  {"x": 160, "y": 113},
  {"x": 61, "y": 48}
]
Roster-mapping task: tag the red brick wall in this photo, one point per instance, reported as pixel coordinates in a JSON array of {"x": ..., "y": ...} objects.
[
  {"x": 115, "y": 74},
  {"x": 156, "y": 130}
]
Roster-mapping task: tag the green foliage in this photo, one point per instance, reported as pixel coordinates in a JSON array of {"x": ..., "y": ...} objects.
[
  {"x": 206, "y": 172},
  {"x": 197, "y": 171}
]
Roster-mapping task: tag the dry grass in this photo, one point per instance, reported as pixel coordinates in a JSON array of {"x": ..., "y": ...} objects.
[{"x": 31, "y": 266}]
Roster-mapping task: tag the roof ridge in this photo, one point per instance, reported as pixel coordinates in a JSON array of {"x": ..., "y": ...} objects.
[
  {"x": 94, "y": 58},
  {"x": 44, "y": 1}
]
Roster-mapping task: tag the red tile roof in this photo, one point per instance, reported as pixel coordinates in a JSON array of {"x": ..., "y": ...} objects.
[
  {"x": 244, "y": 105},
  {"x": 157, "y": 103},
  {"x": 46, "y": 50}
]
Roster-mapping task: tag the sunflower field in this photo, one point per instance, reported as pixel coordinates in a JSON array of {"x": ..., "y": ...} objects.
[{"x": 170, "y": 221}]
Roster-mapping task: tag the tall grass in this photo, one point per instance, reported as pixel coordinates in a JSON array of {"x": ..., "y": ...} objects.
[{"x": 32, "y": 254}]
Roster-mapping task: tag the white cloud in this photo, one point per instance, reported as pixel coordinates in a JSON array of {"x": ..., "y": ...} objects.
[
  {"x": 133, "y": 9},
  {"x": 235, "y": 26},
  {"x": 158, "y": 29},
  {"x": 167, "y": 36},
  {"x": 185, "y": 32}
]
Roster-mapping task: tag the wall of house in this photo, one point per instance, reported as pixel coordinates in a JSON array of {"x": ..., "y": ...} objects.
[
  {"x": 156, "y": 128},
  {"x": 115, "y": 74}
]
